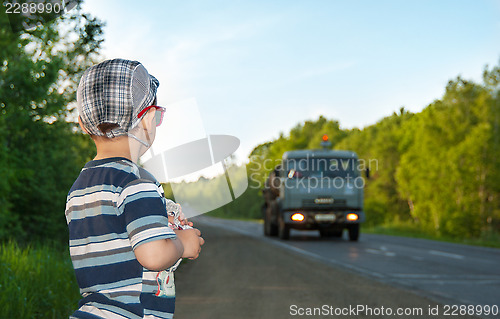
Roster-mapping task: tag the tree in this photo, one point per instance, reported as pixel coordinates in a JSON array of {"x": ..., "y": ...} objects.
[
  {"x": 267, "y": 156},
  {"x": 450, "y": 171},
  {"x": 41, "y": 152},
  {"x": 378, "y": 147}
]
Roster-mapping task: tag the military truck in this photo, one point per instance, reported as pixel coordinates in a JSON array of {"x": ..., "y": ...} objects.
[{"x": 315, "y": 190}]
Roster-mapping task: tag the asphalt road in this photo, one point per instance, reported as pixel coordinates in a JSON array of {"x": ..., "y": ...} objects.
[
  {"x": 449, "y": 272},
  {"x": 242, "y": 274}
]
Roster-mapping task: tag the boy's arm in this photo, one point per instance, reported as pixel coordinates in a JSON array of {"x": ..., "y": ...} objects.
[{"x": 161, "y": 254}]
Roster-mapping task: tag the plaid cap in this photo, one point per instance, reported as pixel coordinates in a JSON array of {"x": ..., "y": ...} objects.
[{"x": 114, "y": 91}]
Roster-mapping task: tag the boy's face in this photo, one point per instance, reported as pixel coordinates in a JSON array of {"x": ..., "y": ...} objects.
[
  {"x": 149, "y": 129},
  {"x": 153, "y": 125},
  {"x": 154, "y": 121}
]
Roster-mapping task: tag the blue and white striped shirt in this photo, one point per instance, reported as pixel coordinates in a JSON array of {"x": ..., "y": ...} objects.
[{"x": 113, "y": 207}]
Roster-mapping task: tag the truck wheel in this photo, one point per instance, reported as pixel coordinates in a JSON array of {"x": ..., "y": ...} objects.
[
  {"x": 266, "y": 222},
  {"x": 267, "y": 229},
  {"x": 273, "y": 231},
  {"x": 283, "y": 229},
  {"x": 270, "y": 229},
  {"x": 353, "y": 232}
]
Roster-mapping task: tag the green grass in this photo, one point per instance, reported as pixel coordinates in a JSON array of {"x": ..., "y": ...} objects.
[
  {"x": 486, "y": 239},
  {"x": 36, "y": 282},
  {"x": 235, "y": 217}
]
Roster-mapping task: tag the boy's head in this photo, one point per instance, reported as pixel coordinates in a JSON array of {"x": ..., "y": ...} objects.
[{"x": 112, "y": 95}]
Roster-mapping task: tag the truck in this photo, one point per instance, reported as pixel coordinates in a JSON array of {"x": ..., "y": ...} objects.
[{"x": 315, "y": 190}]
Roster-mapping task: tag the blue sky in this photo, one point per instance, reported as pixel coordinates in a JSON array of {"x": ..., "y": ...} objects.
[{"x": 257, "y": 68}]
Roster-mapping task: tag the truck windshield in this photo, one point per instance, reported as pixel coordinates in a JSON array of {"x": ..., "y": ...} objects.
[{"x": 321, "y": 167}]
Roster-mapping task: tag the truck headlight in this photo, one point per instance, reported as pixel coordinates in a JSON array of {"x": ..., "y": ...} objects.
[
  {"x": 298, "y": 217},
  {"x": 352, "y": 217}
]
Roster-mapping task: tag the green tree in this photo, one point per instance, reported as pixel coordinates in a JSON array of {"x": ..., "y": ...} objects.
[
  {"x": 438, "y": 169},
  {"x": 266, "y": 156},
  {"x": 447, "y": 172},
  {"x": 379, "y": 148},
  {"x": 41, "y": 152}
]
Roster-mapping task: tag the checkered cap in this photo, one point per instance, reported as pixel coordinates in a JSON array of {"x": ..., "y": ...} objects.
[{"x": 114, "y": 91}]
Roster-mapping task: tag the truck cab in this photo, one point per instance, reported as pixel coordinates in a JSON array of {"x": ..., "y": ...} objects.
[{"x": 314, "y": 190}]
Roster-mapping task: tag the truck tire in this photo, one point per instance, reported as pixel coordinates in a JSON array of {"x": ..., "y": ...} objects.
[
  {"x": 263, "y": 209},
  {"x": 353, "y": 232},
  {"x": 283, "y": 229},
  {"x": 269, "y": 228}
]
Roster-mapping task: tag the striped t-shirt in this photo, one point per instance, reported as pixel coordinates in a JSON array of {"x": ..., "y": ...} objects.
[{"x": 113, "y": 207}]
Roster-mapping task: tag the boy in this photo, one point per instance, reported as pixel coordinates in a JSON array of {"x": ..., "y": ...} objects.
[{"x": 120, "y": 239}]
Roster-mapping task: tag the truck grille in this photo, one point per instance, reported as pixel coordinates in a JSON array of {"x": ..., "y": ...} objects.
[{"x": 322, "y": 202}]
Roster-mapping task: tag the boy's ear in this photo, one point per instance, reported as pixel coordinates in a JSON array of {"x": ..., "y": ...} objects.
[
  {"x": 149, "y": 118},
  {"x": 81, "y": 125}
]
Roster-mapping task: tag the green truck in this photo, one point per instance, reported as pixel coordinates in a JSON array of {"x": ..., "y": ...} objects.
[{"x": 315, "y": 190}]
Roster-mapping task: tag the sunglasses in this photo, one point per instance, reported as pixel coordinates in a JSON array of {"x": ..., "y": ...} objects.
[{"x": 160, "y": 111}]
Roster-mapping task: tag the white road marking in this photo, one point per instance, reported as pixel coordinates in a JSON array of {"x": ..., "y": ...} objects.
[
  {"x": 417, "y": 276},
  {"x": 445, "y": 254},
  {"x": 380, "y": 252},
  {"x": 450, "y": 279}
]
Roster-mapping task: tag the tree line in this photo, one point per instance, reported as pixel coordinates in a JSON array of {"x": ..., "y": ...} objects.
[
  {"x": 41, "y": 150},
  {"x": 438, "y": 169}
]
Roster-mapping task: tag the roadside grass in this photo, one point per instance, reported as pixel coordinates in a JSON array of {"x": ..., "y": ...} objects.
[
  {"x": 218, "y": 214},
  {"x": 486, "y": 239},
  {"x": 36, "y": 281}
]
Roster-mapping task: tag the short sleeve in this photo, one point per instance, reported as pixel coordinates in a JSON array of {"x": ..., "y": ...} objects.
[{"x": 142, "y": 207}]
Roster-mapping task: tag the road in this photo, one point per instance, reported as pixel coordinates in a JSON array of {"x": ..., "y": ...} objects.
[{"x": 242, "y": 274}]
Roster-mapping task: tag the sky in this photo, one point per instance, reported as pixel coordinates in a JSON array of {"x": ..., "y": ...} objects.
[{"x": 254, "y": 69}]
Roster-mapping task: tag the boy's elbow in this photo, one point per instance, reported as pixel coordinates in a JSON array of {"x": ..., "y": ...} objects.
[
  {"x": 157, "y": 255},
  {"x": 153, "y": 266},
  {"x": 151, "y": 263}
]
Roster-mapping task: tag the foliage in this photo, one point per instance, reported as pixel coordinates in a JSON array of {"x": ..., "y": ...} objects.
[
  {"x": 378, "y": 145},
  {"x": 40, "y": 151},
  {"x": 449, "y": 173},
  {"x": 36, "y": 282},
  {"x": 245, "y": 206},
  {"x": 267, "y": 156},
  {"x": 210, "y": 193},
  {"x": 436, "y": 171}
]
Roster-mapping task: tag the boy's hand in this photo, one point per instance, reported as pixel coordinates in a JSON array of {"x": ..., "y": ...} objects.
[
  {"x": 171, "y": 219},
  {"x": 183, "y": 220},
  {"x": 192, "y": 241},
  {"x": 175, "y": 211}
]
